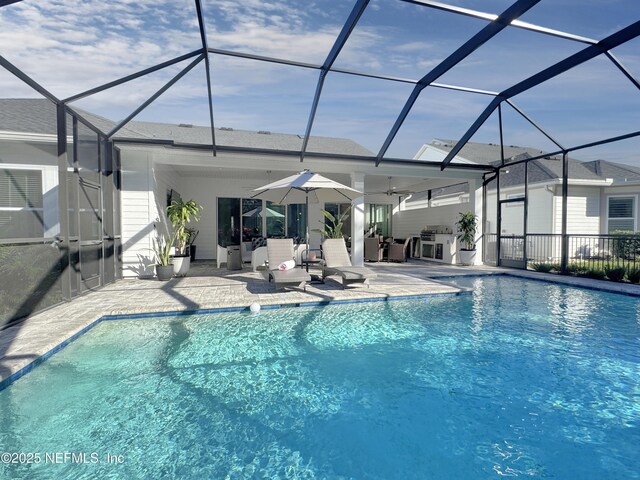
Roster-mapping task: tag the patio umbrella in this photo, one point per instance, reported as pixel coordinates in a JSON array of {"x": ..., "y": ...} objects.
[
  {"x": 258, "y": 212},
  {"x": 306, "y": 187}
]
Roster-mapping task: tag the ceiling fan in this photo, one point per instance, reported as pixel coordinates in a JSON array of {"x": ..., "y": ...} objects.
[{"x": 392, "y": 191}]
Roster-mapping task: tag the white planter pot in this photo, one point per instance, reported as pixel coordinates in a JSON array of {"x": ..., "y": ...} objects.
[
  {"x": 181, "y": 266},
  {"x": 467, "y": 257}
]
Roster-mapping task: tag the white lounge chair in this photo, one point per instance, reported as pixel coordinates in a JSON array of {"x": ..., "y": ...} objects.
[
  {"x": 280, "y": 250},
  {"x": 337, "y": 262}
]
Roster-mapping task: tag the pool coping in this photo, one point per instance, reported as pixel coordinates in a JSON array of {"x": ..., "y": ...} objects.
[{"x": 135, "y": 316}]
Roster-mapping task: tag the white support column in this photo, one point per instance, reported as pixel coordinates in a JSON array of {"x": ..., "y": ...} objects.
[
  {"x": 357, "y": 221},
  {"x": 476, "y": 206}
]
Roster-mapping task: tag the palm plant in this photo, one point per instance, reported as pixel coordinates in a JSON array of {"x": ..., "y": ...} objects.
[
  {"x": 334, "y": 228},
  {"x": 180, "y": 213}
]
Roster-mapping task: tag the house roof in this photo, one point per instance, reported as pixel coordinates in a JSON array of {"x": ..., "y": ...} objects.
[
  {"x": 485, "y": 153},
  {"x": 195, "y": 134},
  {"x": 616, "y": 171},
  {"x": 540, "y": 170},
  {"x": 39, "y": 116}
]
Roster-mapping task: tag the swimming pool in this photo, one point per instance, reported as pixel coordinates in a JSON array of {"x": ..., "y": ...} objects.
[{"x": 521, "y": 378}]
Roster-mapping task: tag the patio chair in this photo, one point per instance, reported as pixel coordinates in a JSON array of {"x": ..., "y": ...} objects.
[
  {"x": 280, "y": 250},
  {"x": 398, "y": 251},
  {"x": 337, "y": 262},
  {"x": 221, "y": 255},
  {"x": 373, "y": 249},
  {"x": 259, "y": 258},
  {"x": 299, "y": 251}
]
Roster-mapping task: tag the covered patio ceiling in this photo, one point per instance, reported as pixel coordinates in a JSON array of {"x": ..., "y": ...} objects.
[
  {"x": 467, "y": 85},
  {"x": 398, "y": 186}
]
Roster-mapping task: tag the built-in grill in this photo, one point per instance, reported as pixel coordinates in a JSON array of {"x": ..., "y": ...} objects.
[
  {"x": 432, "y": 242},
  {"x": 428, "y": 236}
]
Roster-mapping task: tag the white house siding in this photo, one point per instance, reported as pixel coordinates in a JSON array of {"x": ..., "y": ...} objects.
[
  {"x": 540, "y": 219},
  {"x": 137, "y": 226},
  {"x": 410, "y": 222},
  {"x": 583, "y": 211},
  {"x": 583, "y": 218},
  {"x": 143, "y": 198}
]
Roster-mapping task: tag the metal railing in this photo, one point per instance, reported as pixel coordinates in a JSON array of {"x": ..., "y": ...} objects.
[
  {"x": 584, "y": 251},
  {"x": 489, "y": 248},
  {"x": 598, "y": 251}
]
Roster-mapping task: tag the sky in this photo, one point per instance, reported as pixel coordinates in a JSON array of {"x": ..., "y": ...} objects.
[{"x": 69, "y": 46}]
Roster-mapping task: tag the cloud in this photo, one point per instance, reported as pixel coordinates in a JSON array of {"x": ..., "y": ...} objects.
[{"x": 69, "y": 46}]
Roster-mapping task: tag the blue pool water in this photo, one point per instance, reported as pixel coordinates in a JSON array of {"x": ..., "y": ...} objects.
[{"x": 520, "y": 379}]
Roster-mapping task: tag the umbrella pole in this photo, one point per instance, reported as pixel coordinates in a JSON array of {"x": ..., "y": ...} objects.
[{"x": 306, "y": 240}]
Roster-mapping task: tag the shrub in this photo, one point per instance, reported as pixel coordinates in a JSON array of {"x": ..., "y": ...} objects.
[
  {"x": 577, "y": 269},
  {"x": 625, "y": 244},
  {"x": 543, "y": 267},
  {"x": 596, "y": 273},
  {"x": 634, "y": 275},
  {"x": 614, "y": 273}
]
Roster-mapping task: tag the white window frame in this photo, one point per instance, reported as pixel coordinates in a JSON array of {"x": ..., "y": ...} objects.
[
  {"x": 31, "y": 168},
  {"x": 635, "y": 208}
]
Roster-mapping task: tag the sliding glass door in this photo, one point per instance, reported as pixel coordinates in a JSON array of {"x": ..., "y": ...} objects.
[
  {"x": 378, "y": 218},
  {"x": 296, "y": 220},
  {"x": 251, "y": 219},
  {"x": 243, "y": 219},
  {"x": 276, "y": 220}
]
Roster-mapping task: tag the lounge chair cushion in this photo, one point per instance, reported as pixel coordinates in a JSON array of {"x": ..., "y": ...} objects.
[
  {"x": 352, "y": 273},
  {"x": 297, "y": 275}
]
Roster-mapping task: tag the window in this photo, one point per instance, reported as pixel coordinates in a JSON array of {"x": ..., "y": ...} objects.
[
  {"x": 296, "y": 220},
  {"x": 253, "y": 217},
  {"x": 621, "y": 214},
  {"x": 276, "y": 220},
  {"x": 378, "y": 219},
  {"x": 252, "y": 213},
  {"x": 21, "y": 203}
]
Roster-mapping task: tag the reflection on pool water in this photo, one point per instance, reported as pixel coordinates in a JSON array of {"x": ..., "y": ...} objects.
[{"x": 521, "y": 378}]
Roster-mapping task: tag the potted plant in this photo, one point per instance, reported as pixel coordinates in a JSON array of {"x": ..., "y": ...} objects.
[
  {"x": 162, "y": 250},
  {"x": 333, "y": 228},
  {"x": 467, "y": 225},
  {"x": 180, "y": 213}
]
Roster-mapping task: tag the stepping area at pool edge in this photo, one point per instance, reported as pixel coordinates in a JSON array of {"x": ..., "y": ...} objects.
[{"x": 209, "y": 288}]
